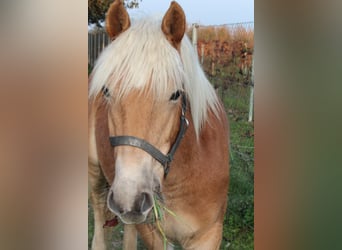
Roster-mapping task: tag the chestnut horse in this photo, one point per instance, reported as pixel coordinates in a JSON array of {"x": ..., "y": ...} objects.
[{"x": 157, "y": 132}]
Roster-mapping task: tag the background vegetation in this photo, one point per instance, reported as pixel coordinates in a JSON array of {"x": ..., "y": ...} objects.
[
  {"x": 98, "y": 8},
  {"x": 227, "y": 60}
]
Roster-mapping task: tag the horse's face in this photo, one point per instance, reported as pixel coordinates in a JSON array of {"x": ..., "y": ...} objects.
[
  {"x": 138, "y": 176},
  {"x": 140, "y": 114}
]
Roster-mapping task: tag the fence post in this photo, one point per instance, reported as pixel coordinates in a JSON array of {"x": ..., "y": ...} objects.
[
  {"x": 194, "y": 35},
  {"x": 202, "y": 53},
  {"x": 251, "y": 99}
]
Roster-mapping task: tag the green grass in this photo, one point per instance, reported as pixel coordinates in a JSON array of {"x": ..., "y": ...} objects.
[
  {"x": 239, "y": 222},
  {"x": 90, "y": 225}
]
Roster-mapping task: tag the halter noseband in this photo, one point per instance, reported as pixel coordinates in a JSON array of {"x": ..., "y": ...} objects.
[{"x": 164, "y": 160}]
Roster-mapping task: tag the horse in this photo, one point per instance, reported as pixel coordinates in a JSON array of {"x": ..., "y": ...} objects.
[{"x": 158, "y": 136}]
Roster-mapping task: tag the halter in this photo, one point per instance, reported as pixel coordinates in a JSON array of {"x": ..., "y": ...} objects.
[{"x": 164, "y": 160}]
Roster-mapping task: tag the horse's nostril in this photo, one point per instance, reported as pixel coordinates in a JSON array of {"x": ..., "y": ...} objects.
[
  {"x": 112, "y": 205},
  {"x": 142, "y": 204},
  {"x": 146, "y": 202}
]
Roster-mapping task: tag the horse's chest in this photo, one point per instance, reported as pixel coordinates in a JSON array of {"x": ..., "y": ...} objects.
[
  {"x": 180, "y": 221},
  {"x": 180, "y": 226}
]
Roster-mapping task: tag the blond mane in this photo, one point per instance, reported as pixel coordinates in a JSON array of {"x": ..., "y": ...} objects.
[{"x": 142, "y": 57}]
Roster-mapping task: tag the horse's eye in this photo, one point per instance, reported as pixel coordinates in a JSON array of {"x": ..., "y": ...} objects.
[
  {"x": 175, "y": 95},
  {"x": 105, "y": 91}
]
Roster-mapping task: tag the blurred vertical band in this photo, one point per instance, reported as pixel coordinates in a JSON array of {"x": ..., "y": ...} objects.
[
  {"x": 43, "y": 128},
  {"x": 298, "y": 125}
]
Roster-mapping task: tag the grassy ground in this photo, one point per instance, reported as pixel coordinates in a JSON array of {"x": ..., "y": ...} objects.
[{"x": 239, "y": 222}]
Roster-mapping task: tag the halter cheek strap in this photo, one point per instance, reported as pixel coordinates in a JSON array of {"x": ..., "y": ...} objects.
[{"x": 164, "y": 160}]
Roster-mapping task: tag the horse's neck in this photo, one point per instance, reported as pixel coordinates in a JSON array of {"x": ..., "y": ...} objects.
[{"x": 193, "y": 151}]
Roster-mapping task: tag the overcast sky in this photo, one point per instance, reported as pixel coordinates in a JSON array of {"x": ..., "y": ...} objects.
[{"x": 206, "y": 12}]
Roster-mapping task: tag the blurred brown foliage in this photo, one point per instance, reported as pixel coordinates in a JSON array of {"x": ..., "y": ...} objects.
[{"x": 227, "y": 51}]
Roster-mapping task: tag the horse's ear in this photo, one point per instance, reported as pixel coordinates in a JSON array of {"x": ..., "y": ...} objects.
[
  {"x": 173, "y": 24},
  {"x": 117, "y": 19}
]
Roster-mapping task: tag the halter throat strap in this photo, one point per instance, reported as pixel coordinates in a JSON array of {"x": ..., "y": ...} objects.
[{"x": 164, "y": 160}]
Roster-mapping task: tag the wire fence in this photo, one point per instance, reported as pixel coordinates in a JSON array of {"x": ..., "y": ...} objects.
[
  {"x": 98, "y": 39},
  {"x": 246, "y": 25}
]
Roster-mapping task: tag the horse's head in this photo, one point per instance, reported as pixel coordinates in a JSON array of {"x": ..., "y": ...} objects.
[{"x": 144, "y": 113}]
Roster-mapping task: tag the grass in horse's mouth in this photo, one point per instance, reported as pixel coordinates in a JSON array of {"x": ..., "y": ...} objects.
[
  {"x": 159, "y": 210},
  {"x": 159, "y": 217}
]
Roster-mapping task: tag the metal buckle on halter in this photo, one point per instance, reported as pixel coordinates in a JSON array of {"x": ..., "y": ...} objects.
[
  {"x": 166, "y": 169},
  {"x": 186, "y": 122}
]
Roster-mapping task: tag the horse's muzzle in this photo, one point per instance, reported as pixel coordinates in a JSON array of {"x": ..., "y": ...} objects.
[{"x": 142, "y": 205}]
